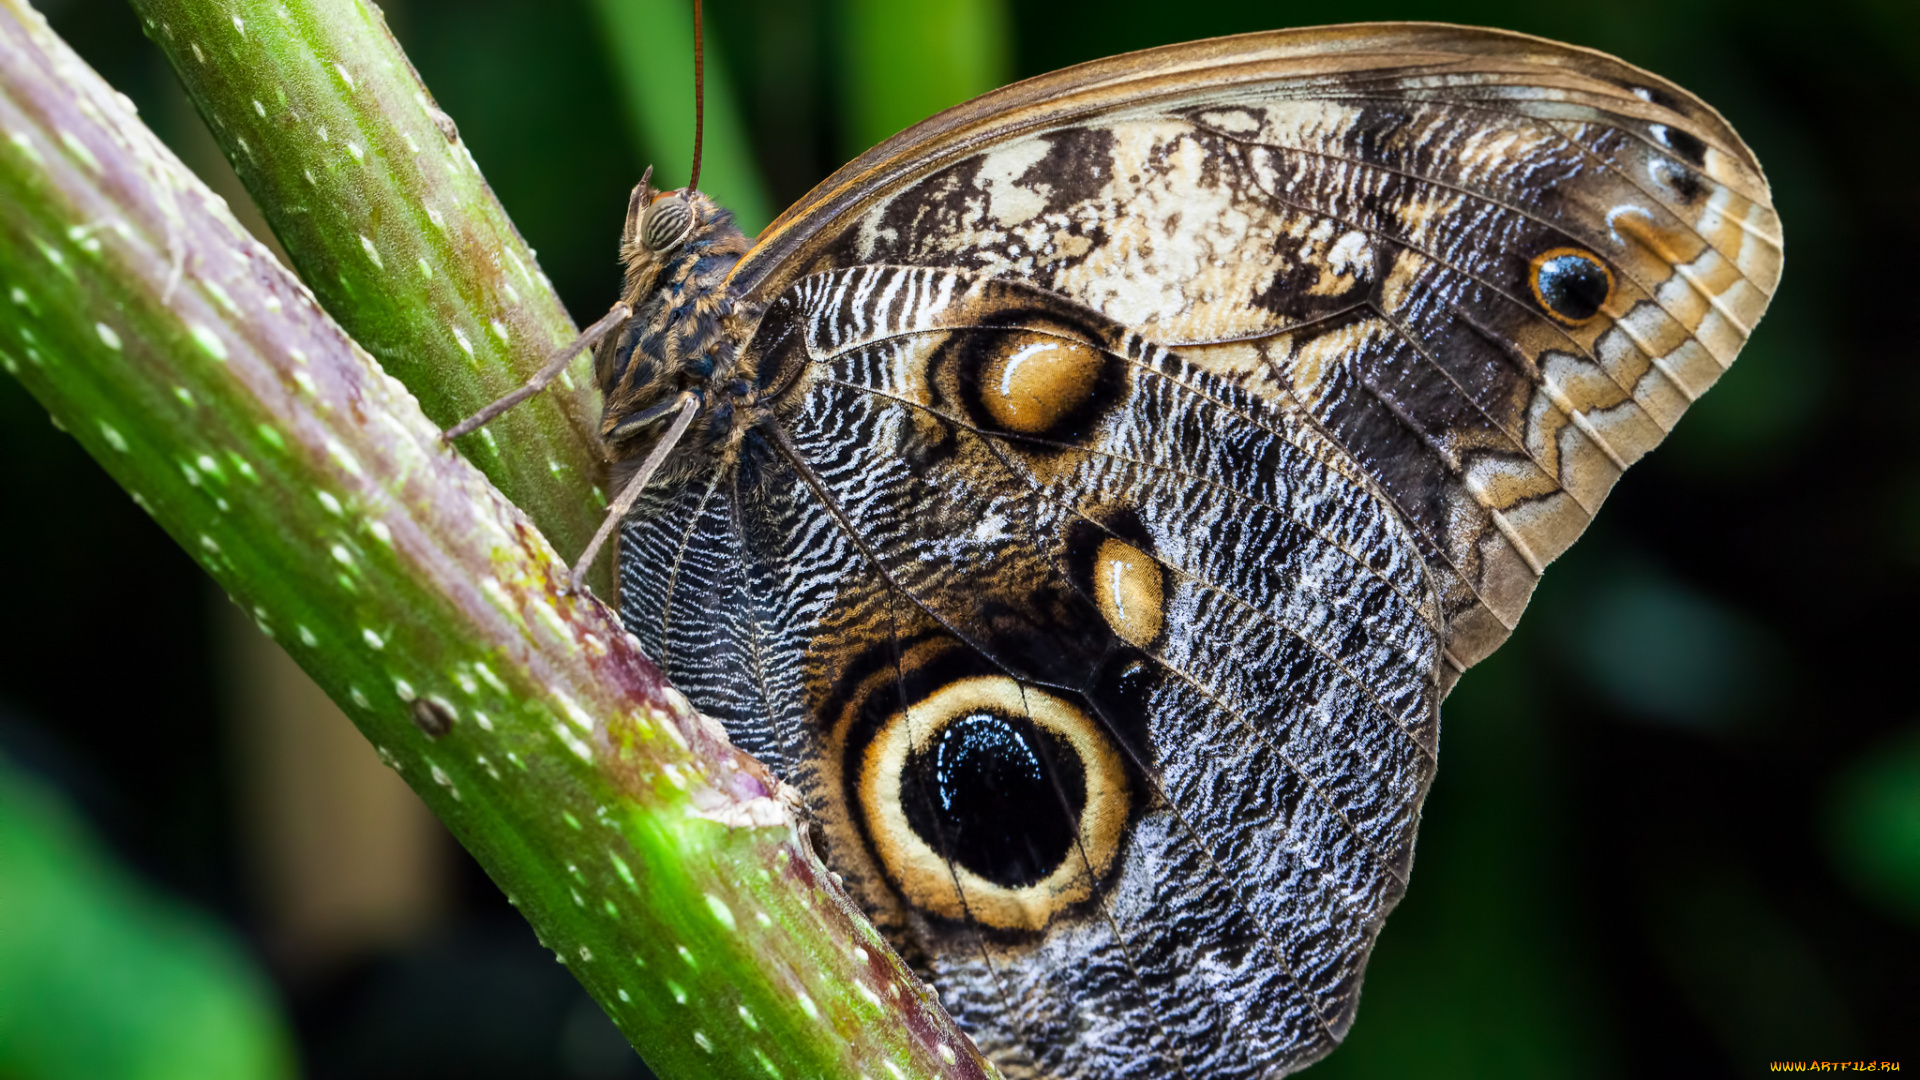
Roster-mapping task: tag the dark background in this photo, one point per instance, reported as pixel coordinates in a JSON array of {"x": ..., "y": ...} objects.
[{"x": 1677, "y": 827}]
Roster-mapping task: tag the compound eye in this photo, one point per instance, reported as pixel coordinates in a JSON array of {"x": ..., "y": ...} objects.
[
  {"x": 1571, "y": 284},
  {"x": 666, "y": 223}
]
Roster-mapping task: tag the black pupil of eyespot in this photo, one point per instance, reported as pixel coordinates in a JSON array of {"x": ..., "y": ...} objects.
[
  {"x": 1573, "y": 286},
  {"x": 998, "y": 795}
]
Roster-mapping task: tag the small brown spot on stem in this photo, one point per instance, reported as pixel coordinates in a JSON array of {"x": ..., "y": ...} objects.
[{"x": 433, "y": 718}]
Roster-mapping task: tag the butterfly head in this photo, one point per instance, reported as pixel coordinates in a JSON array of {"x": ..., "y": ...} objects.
[
  {"x": 662, "y": 224},
  {"x": 685, "y": 330}
]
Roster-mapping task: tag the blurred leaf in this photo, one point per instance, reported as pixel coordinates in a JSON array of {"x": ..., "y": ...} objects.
[
  {"x": 652, "y": 46},
  {"x": 1896, "y": 28},
  {"x": 1662, "y": 650},
  {"x": 1759, "y": 411},
  {"x": 906, "y": 62},
  {"x": 1480, "y": 973},
  {"x": 1749, "y": 971},
  {"x": 102, "y": 978},
  {"x": 1874, "y": 824}
]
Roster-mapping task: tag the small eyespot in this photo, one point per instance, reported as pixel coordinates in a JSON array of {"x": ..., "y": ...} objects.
[
  {"x": 666, "y": 223},
  {"x": 1572, "y": 285},
  {"x": 1656, "y": 96},
  {"x": 1685, "y": 184},
  {"x": 1686, "y": 144}
]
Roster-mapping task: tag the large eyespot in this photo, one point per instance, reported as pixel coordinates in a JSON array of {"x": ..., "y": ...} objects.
[
  {"x": 666, "y": 223},
  {"x": 1572, "y": 285},
  {"x": 995, "y": 802},
  {"x": 1026, "y": 382},
  {"x": 1035, "y": 379}
]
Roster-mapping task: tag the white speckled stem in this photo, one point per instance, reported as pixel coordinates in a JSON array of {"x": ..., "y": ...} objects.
[
  {"x": 666, "y": 869},
  {"x": 371, "y": 190}
]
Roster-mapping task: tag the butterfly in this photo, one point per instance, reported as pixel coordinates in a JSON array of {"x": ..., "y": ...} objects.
[{"x": 1086, "y": 497}]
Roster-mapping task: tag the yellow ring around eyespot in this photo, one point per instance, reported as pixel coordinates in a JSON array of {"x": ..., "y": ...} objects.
[
  {"x": 932, "y": 884},
  {"x": 1533, "y": 282}
]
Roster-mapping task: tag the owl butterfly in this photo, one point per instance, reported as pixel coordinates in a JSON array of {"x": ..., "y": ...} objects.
[{"x": 1086, "y": 497}]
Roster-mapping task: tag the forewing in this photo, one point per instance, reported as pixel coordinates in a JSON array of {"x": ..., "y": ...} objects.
[{"x": 1358, "y": 219}]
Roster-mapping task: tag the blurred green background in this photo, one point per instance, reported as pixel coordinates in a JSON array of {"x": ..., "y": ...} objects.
[{"x": 1677, "y": 830}]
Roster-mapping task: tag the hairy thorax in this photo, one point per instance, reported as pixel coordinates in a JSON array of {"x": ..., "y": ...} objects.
[{"x": 684, "y": 338}]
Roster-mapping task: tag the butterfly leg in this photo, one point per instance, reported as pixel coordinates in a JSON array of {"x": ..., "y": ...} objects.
[
  {"x": 688, "y": 404},
  {"x": 642, "y": 420},
  {"x": 548, "y": 372}
]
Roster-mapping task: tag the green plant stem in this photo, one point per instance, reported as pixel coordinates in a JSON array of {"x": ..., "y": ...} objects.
[
  {"x": 387, "y": 218},
  {"x": 668, "y": 871}
]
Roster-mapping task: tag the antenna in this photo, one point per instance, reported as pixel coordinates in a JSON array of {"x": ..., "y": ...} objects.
[{"x": 699, "y": 98}]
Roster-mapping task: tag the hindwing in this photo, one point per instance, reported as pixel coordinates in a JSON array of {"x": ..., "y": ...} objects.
[{"x": 1117, "y": 684}]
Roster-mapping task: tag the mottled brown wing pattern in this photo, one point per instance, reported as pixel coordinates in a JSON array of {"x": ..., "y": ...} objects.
[
  {"x": 1359, "y": 219},
  {"x": 995, "y": 519}
]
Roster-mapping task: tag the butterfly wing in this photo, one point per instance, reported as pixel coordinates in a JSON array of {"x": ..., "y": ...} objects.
[
  {"x": 1360, "y": 218},
  {"x": 1113, "y": 686},
  {"x": 1154, "y": 442}
]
